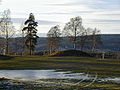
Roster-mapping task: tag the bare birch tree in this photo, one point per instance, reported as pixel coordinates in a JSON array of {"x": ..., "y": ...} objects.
[
  {"x": 73, "y": 29},
  {"x": 95, "y": 39},
  {"x": 7, "y": 29},
  {"x": 83, "y": 38},
  {"x": 18, "y": 43},
  {"x": 54, "y": 38}
]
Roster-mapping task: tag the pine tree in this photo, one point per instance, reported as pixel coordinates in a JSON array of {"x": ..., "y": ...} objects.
[{"x": 31, "y": 37}]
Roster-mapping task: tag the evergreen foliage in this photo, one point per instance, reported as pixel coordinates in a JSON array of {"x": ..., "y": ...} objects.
[{"x": 31, "y": 31}]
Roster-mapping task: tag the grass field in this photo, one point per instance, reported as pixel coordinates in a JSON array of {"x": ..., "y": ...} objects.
[{"x": 104, "y": 68}]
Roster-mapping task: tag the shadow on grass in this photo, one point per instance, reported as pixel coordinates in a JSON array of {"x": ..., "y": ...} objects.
[
  {"x": 4, "y": 57},
  {"x": 76, "y": 53}
]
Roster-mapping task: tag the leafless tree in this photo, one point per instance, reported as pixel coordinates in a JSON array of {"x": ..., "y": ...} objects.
[
  {"x": 54, "y": 38},
  {"x": 18, "y": 43},
  {"x": 7, "y": 29},
  {"x": 82, "y": 39},
  {"x": 95, "y": 39},
  {"x": 73, "y": 29}
]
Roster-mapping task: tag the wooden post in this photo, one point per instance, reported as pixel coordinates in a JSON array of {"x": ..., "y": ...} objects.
[{"x": 103, "y": 55}]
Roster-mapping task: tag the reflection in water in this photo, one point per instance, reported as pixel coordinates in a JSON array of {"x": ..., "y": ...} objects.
[
  {"x": 39, "y": 74},
  {"x": 47, "y": 74},
  {"x": 112, "y": 79}
]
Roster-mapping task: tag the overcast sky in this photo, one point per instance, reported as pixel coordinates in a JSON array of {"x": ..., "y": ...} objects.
[{"x": 102, "y": 14}]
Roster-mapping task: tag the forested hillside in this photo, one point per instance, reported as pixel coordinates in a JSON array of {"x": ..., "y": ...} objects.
[{"x": 111, "y": 42}]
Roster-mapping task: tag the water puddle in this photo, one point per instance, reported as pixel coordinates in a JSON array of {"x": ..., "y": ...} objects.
[
  {"x": 40, "y": 74},
  {"x": 48, "y": 74},
  {"x": 36, "y": 79},
  {"x": 117, "y": 80}
]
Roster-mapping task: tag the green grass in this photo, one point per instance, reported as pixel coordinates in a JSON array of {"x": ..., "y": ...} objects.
[{"x": 104, "y": 68}]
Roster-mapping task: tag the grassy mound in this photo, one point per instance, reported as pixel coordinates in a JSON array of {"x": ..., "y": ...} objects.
[
  {"x": 3, "y": 78},
  {"x": 71, "y": 53}
]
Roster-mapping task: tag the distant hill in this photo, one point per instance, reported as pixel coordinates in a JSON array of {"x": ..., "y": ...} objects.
[{"x": 111, "y": 42}]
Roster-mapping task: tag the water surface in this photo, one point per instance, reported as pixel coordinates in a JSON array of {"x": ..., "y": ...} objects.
[
  {"x": 40, "y": 74},
  {"x": 48, "y": 74}
]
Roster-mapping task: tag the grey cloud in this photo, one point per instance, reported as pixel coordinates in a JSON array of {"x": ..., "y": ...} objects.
[
  {"x": 83, "y": 12},
  {"x": 18, "y": 20},
  {"x": 108, "y": 21},
  {"x": 46, "y": 13},
  {"x": 111, "y": 14},
  {"x": 56, "y": 13},
  {"x": 45, "y": 22},
  {"x": 70, "y": 12},
  {"x": 95, "y": 4},
  {"x": 65, "y": 4},
  {"x": 42, "y": 22},
  {"x": 99, "y": 21},
  {"x": 80, "y": 12},
  {"x": 78, "y": 2}
]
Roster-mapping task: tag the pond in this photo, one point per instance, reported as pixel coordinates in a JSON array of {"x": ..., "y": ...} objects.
[
  {"x": 48, "y": 74},
  {"x": 52, "y": 79},
  {"x": 40, "y": 74}
]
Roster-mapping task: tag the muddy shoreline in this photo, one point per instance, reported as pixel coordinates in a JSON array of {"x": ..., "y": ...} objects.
[{"x": 56, "y": 84}]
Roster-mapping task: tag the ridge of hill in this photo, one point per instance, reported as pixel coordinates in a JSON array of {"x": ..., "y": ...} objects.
[
  {"x": 70, "y": 53},
  {"x": 111, "y": 42}
]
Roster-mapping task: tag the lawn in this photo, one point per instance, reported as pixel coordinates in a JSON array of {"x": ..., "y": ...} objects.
[{"x": 104, "y": 68}]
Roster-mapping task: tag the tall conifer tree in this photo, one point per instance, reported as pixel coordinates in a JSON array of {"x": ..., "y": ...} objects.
[{"x": 31, "y": 31}]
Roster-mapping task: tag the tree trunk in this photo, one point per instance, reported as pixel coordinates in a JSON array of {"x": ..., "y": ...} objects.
[
  {"x": 75, "y": 39},
  {"x": 7, "y": 42},
  {"x": 7, "y": 47},
  {"x": 30, "y": 47},
  {"x": 30, "y": 44}
]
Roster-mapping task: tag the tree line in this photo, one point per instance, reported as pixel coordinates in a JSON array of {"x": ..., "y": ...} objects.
[
  {"x": 7, "y": 34},
  {"x": 80, "y": 37},
  {"x": 73, "y": 32}
]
